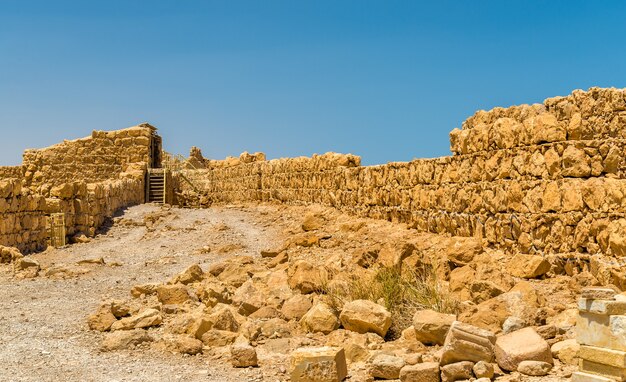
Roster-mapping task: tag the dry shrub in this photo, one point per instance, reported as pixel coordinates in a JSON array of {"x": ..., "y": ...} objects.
[{"x": 401, "y": 292}]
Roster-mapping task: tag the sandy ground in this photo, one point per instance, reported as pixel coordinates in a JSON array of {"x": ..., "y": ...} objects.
[{"x": 43, "y": 331}]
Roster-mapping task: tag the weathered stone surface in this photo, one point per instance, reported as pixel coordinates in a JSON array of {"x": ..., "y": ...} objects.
[
  {"x": 528, "y": 266},
  {"x": 305, "y": 277},
  {"x": 385, "y": 366},
  {"x": 320, "y": 318},
  {"x": 598, "y": 294},
  {"x": 242, "y": 354},
  {"x": 296, "y": 307},
  {"x": 173, "y": 294},
  {"x": 467, "y": 343},
  {"x": 363, "y": 316},
  {"x": 457, "y": 371},
  {"x": 143, "y": 319},
  {"x": 145, "y": 289},
  {"x": 483, "y": 369},
  {"x": 124, "y": 339},
  {"x": 522, "y": 345},
  {"x": 248, "y": 298},
  {"x": 432, "y": 327},
  {"x": 586, "y": 377},
  {"x": 325, "y": 364},
  {"x": 421, "y": 372},
  {"x": 601, "y": 330},
  {"x": 183, "y": 344},
  {"x": 190, "y": 275},
  {"x": 566, "y": 351},
  {"x": 615, "y": 373},
  {"x": 608, "y": 357},
  {"x": 102, "y": 319},
  {"x": 604, "y": 307},
  {"x": 534, "y": 368},
  {"x": 216, "y": 337}
]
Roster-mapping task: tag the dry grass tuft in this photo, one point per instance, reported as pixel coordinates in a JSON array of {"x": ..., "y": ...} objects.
[{"x": 401, "y": 292}]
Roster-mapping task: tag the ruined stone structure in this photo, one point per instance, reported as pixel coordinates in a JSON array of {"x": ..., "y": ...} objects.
[
  {"x": 544, "y": 178},
  {"x": 87, "y": 179}
]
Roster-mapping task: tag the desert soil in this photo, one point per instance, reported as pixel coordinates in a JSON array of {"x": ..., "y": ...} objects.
[{"x": 43, "y": 330}]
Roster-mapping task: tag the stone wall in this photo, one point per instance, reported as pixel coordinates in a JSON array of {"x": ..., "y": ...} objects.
[
  {"x": 87, "y": 179},
  {"x": 546, "y": 178},
  {"x": 102, "y": 156}
]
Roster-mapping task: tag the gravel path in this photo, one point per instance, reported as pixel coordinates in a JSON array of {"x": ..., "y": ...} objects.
[{"x": 43, "y": 331}]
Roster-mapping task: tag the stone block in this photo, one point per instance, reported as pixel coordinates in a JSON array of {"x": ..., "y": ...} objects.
[
  {"x": 608, "y": 357},
  {"x": 421, "y": 372},
  {"x": 601, "y": 331},
  {"x": 467, "y": 343},
  {"x": 605, "y": 307},
  {"x": 323, "y": 364},
  {"x": 586, "y": 377},
  {"x": 615, "y": 373}
]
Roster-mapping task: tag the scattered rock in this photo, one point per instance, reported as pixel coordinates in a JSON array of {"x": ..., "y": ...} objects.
[
  {"x": 456, "y": 371},
  {"x": 534, "y": 368},
  {"x": 483, "y": 369},
  {"x": 364, "y": 316},
  {"x": 325, "y": 364},
  {"x": 467, "y": 343},
  {"x": 173, "y": 294},
  {"x": 566, "y": 351},
  {"x": 421, "y": 372},
  {"x": 320, "y": 318},
  {"x": 528, "y": 266},
  {"x": 190, "y": 275},
  {"x": 102, "y": 319},
  {"x": 296, "y": 307},
  {"x": 432, "y": 327},
  {"x": 143, "y": 319},
  {"x": 385, "y": 366},
  {"x": 242, "y": 354},
  {"x": 125, "y": 339},
  {"x": 522, "y": 345}
]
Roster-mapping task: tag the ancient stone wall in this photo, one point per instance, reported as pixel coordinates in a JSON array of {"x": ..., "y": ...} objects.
[
  {"x": 86, "y": 179},
  {"x": 102, "y": 156},
  {"x": 545, "y": 178}
]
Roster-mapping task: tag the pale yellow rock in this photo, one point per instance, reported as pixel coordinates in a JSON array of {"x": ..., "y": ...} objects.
[
  {"x": 325, "y": 364},
  {"x": 143, "y": 319},
  {"x": 421, "y": 372},
  {"x": 528, "y": 266},
  {"x": 522, "y": 345},
  {"x": 566, "y": 351},
  {"x": 173, "y": 294},
  {"x": 320, "y": 318},
  {"x": 432, "y": 327},
  {"x": 364, "y": 316}
]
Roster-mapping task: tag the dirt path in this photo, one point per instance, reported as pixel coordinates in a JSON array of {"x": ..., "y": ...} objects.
[{"x": 43, "y": 331}]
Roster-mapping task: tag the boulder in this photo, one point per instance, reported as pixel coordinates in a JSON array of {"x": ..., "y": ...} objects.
[
  {"x": 322, "y": 364},
  {"x": 296, "y": 307},
  {"x": 462, "y": 250},
  {"x": 242, "y": 354},
  {"x": 312, "y": 222},
  {"x": 218, "y": 338},
  {"x": 432, "y": 327},
  {"x": 125, "y": 339},
  {"x": 467, "y": 343},
  {"x": 566, "y": 351},
  {"x": 26, "y": 267},
  {"x": 102, "y": 319},
  {"x": 457, "y": 371},
  {"x": 145, "y": 290},
  {"x": 534, "y": 368},
  {"x": 182, "y": 344},
  {"x": 144, "y": 319},
  {"x": 483, "y": 369},
  {"x": 193, "y": 274},
  {"x": 305, "y": 277},
  {"x": 522, "y": 345},
  {"x": 173, "y": 294},
  {"x": 421, "y": 372},
  {"x": 528, "y": 266},
  {"x": 248, "y": 298},
  {"x": 320, "y": 318},
  {"x": 385, "y": 366},
  {"x": 363, "y": 316}
]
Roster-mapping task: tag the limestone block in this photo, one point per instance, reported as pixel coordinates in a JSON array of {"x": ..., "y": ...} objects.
[
  {"x": 603, "y": 307},
  {"x": 601, "y": 330},
  {"x": 432, "y": 327},
  {"x": 615, "y": 373},
  {"x": 324, "y": 364},
  {"x": 586, "y": 377},
  {"x": 465, "y": 342},
  {"x": 608, "y": 357},
  {"x": 522, "y": 345}
]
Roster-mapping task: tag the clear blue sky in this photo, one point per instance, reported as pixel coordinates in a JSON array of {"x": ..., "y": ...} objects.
[{"x": 385, "y": 79}]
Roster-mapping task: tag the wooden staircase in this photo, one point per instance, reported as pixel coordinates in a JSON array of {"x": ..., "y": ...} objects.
[{"x": 156, "y": 186}]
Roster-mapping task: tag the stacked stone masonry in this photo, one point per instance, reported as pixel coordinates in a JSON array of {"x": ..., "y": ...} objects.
[
  {"x": 545, "y": 178},
  {"x": 601, "y": 334},
  {"x": 86, "y": 179}
]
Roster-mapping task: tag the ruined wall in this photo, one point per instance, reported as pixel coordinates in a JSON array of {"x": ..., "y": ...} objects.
[
  {"x": 102, "y": 156},
  {"x": 545, "y": 178},
  {"x": 87, "y": 179}
]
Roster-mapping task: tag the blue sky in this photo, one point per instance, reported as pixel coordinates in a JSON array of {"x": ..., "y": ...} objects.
[{"x": 385, "y": 79}]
